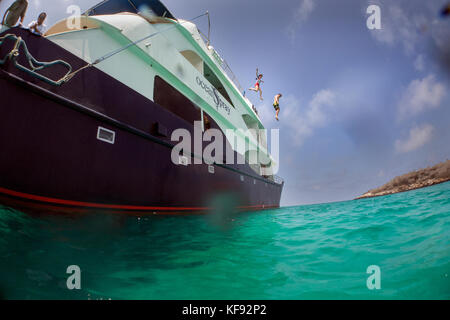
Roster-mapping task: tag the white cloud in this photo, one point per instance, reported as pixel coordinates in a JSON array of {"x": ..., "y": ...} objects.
[
  {"x": 301, "y": 15},
  {"x": 411, "y": 25},
  {"x": 418, "y": 137},
  {"x": 419, "y": 63},
  {"x": 37, "y": 4},
  {"x": 421, "y": 94},
  {"x": 400, "y": 25},
  {"x": 386, "y": 34},
  {"x": 440, "y": 33},
  {"x": 304, "y": 120},
  {"x": 305, "y": 8},
  {"x": 316, "y": 114}
]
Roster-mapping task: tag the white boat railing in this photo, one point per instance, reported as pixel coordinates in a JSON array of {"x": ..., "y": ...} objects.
[
  {"x": 223, "y": 63},
  {"x": 278, "y": 180},
  {"x": 227, "y": 70}
]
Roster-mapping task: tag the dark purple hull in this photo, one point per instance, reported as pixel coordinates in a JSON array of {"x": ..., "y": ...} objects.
[{"x": 51, "y": 158}]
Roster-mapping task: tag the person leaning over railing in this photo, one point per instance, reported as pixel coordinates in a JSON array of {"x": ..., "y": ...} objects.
[
  {"x": 15, "y": 12},
  {"x": 38, "y": 27}
]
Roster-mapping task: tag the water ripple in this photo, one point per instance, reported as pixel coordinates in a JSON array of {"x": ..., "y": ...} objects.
[{"x": 307, "y": 252}]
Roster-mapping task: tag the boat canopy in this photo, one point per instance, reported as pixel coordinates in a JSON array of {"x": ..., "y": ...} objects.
[{"x": 134, "y": 6}]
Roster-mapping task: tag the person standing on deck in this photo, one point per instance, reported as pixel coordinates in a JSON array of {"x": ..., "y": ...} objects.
[
  {"x": 15, "y": 12},
  {"x": 276, "y": 104}
]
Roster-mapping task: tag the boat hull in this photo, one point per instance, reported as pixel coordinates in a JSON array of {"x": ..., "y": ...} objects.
[{"x": 52, "y": 160}]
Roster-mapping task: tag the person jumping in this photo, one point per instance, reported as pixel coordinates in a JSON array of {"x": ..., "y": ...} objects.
[
  {"x": 276, "y": 105},
  {"x": 257, "y": 87}
]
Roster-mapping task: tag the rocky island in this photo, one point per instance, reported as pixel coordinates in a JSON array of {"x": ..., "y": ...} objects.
[{"x": 414, "y": 180}]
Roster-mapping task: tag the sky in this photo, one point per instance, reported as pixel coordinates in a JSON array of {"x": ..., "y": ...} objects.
[{"x": 359, "y": 106}]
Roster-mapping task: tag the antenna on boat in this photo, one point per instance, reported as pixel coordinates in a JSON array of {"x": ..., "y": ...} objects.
[{"x": 209, "y": 28}]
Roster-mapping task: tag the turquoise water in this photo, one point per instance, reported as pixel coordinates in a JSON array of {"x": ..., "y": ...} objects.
[{"x": 307, "y": 252}]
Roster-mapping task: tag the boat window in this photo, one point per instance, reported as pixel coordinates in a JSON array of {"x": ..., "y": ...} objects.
[
  {"x": 197, "y": 62},
  {"x": 206, "y": 122},
  {"x": 209, "y": 123},
  {"x": 252, "y": 125},
  {"x": 106, "y": 135},
  {"x": 212, "y": 78},
  {"x": 194, "y": 59},
  {"x": 170, "y": 98}
]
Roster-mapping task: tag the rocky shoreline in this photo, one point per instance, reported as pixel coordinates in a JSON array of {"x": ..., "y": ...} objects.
[{"x": 414, "y": 180}]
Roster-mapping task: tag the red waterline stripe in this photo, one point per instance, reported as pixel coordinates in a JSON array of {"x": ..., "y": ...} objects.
[
  {"x": 106, "y": 206},
  {"x": 90, "y": 204}
]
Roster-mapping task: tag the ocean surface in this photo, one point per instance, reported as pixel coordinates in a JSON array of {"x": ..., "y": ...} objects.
[{"x": 306, "y": 252}]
